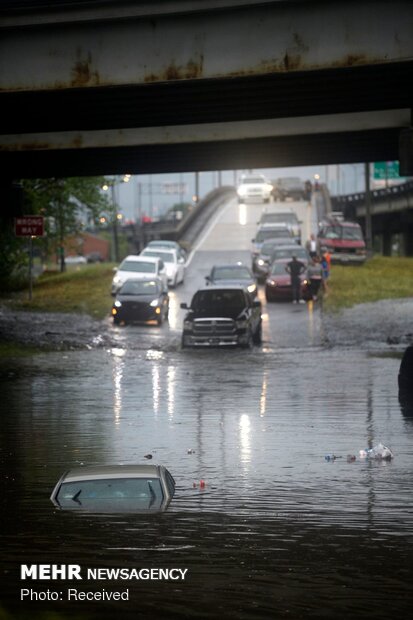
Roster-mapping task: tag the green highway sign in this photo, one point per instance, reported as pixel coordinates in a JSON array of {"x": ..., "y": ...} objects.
[{"x": 386, "y": 170}]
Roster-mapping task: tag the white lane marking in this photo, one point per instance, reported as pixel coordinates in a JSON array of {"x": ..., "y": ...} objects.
[{"x": 208, "y": 231}]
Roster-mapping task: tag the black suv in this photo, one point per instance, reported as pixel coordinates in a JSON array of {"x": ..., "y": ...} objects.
[{"x": 222, "y": 316}]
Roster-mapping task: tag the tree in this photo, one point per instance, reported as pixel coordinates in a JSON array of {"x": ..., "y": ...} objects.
[{"x": 64, "y": 202}]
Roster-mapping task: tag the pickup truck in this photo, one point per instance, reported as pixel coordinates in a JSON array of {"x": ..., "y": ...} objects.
[{"x": 222, "y": 316}]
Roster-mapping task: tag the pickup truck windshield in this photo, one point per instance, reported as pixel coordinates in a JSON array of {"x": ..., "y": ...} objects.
[
  {"x": 350, "y": 233},
  {"x": 218, "y": 302}
]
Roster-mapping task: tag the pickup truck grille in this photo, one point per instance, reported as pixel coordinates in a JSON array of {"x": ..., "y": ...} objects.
[{"x": 214, "y": 327}]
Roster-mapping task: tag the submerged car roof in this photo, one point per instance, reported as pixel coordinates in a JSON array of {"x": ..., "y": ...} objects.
[{"x": 111, "y": 471}]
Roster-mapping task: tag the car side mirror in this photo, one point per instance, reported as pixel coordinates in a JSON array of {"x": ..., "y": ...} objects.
[
  {"x": 115, "y": 269},
  {"x": 184, "y": 305}
]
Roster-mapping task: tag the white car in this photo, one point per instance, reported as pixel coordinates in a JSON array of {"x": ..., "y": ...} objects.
[
  {"x": 174, "y": 264},
  {"x": 253, "y": 188},
  {"x": 139, "y": 267},
  {"x": 75, "y": 260}
]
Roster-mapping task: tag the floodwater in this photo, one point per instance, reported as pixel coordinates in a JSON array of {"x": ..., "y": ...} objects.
[{"x": 278, "y": 531}]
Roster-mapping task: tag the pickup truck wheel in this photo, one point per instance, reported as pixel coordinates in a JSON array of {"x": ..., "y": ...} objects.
[
  {"x": 258, "y": 334},
  {"x": 250, "y": 342}
]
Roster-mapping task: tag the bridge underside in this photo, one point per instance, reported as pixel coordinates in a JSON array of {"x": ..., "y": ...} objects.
[
  {"x": 300, "y": 118},
  {"x": 113, "y": 86}
]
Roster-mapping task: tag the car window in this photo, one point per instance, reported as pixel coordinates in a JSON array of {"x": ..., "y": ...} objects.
[
  {"x": 139, "y": 287},
  {"x": 167, "y": 257},
  {"x": 250, "y": 180},
  {"x": 120, "y": 488},
  {"x": 262, "y": 235},
  {"x": 231, "y": 273},
  {"x": 289, "y": 252},
  {"x": 352, "y": 233},
  {"x": 218, "y": 301},
  {"x": 288, "y": 218},
  {"x": 278, "y": 269},
  {"x": 161, "y": 264},
  {"x": 138, "y": 266}
]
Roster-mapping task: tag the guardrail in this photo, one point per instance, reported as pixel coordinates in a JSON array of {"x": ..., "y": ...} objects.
[
  {"x": 184, "y": 231},
  {"x": 341, "y": 203},
  {"x": 176, "y": 231}
]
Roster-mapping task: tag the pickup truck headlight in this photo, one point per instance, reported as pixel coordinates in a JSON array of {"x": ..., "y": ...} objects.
[
  {"x": 117, "y": 304},
  {"x": 241, "y": 324},
  {"x": 188, "y": 326},
  {"x": 271, "y": 283},
  {"x": 154, "y": 303},
  {"x": 251, "y": 288},
  {"x": 260, "y": 262},
  {"x": 241, "y": 191}
]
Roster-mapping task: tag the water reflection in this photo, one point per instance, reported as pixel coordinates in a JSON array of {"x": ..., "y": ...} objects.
[
  {"x": 275, "y": 518},
  {"x": 242, "y": 214}
]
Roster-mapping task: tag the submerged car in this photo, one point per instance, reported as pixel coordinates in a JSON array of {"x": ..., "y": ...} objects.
[
  {"x": 237, "y": 274},
  {"x": 253, "y": 188},
  {"x": 222, "y": 316},
  {"x": 115, "y": 488},
  {"x": 139, "y": 267},
  {"x": 141, "y": 300},
  {"x": 174, "y": 263},
  {"x": 278, "y": 284}
]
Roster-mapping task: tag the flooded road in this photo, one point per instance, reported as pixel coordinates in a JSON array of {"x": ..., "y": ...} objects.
[{"x": 278, "y": 531}]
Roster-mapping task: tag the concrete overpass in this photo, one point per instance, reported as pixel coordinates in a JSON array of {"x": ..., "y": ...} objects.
[{"x": 176, "y": 85}]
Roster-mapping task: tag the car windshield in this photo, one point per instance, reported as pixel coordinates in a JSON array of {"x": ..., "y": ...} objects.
[
  {"x": 251, "y": 180},
  {"x": 167, "y": 257},
  {"x": 290, "y": 182},
  {"x": 231, "y": 273},
  {"x": 278, "y": 269},
  {"x": 219, "y": 302},
  {"x": 289, "y": 252},
  {"x": 262, "y": 235},
  {"x": 274, "y": 218},
  {"x": 148, "y": 491},
  {"x": 139, "y": 266},
  {"x": 351, "y": 233},
  {"x": 139, "y": 287}
]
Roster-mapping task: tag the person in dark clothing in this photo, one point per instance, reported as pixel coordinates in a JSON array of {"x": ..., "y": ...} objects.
[{"x": 295, "y": 268}]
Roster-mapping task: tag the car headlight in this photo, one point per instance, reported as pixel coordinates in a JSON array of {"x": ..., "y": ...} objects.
[
  {"x": 154, "y": 303},
  {"x": 251, "y": 288},
  {"x": 260, "y": 262},
  {"x": 117, "y": 304},
  {"x": 271, "y": 282},
  {"x": 116, "y": 280},
  {"x": 241, "y": 324},
  {"x": 188, "y": 326},
  {"x": 305, "y": 281},
  {"x": 241, "y": 191}
]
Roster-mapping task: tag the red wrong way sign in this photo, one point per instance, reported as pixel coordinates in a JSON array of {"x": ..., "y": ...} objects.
[{"x": 29, "y": 226}]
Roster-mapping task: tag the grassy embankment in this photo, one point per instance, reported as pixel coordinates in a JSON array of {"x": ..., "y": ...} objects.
[
  {"x": 379, "y": 278},
  {"x": 83, "y": 289}
]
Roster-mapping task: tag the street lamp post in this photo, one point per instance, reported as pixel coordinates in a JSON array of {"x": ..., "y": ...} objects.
[{"x": 116, "y": 216}]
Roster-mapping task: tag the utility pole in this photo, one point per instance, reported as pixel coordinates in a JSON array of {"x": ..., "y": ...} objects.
[
  {"x": 115, "y": 224},
  {"x": 369, "y": 241},
  {"x": 197, "y": 186}
]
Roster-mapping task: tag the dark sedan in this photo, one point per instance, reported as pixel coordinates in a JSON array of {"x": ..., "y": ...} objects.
[
  {"x": 235, "y": 275},
  {"x": 266, "y": 255},
  {"x": 278, "y": 284},
  {"x": 141, "y": 301}
]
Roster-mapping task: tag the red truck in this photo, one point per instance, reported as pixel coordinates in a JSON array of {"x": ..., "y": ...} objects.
[{"x": 344, "y": 241}]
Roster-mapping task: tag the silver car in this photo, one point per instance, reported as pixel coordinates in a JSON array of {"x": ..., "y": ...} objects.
[{"x": 115, "y": 488}]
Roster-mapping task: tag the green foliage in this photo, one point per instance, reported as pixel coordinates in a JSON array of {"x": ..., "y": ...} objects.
[
  {"x": 13, "y": 258},
  {"x": 65, "y": 203}
]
